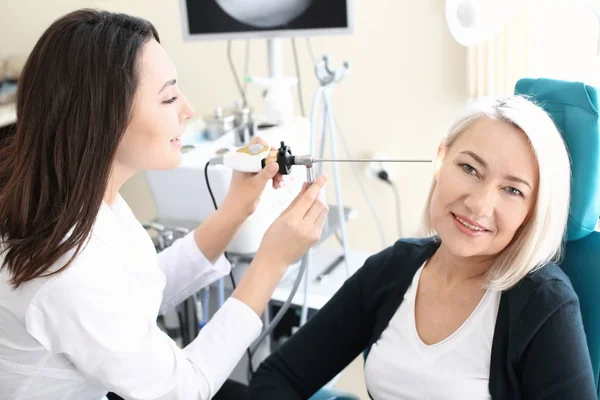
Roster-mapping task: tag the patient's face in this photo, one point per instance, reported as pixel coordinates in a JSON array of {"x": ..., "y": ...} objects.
[
  {"x": 486, "y": 188},
  {"x": 159, "y": 112}
]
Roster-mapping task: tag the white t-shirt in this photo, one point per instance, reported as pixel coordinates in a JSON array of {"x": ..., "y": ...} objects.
[
  {"x": 92, "y": 328},
  {"x": 401, "y": 367}
]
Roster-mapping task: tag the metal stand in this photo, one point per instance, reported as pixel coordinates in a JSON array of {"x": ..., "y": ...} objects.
[{"x": 327, "y": 79}]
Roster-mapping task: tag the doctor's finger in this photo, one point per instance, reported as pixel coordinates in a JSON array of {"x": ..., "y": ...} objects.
[
  {"x": 297, "y": 198},
  {"x": 278, "y": 181},
  {"x": 258, "y": 140},
  {"x": 315, "y": 210},
  {"x": 306, "y": 200},
  {"x": 320, "y": 222}
]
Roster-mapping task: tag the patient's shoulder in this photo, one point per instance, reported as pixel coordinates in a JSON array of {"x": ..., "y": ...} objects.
[
  {"x": 546, "y": 288},
  {"x": 419, "y": 242},
  {"x": 549, "y": 272},
  {"x": 542, "y": 280},
  {"x": 394, "y": 262}
]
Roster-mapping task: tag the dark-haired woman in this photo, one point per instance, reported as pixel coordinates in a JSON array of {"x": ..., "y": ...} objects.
[{"x": 80, "y": 283}]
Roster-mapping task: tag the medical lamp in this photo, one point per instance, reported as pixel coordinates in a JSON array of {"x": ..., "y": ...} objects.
[{"x": 472, "y": 22}]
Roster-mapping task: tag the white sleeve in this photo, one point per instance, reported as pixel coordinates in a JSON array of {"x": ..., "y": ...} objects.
[
  {"x": 187, "y": 271},
  {"x": 112, "y": 339}
]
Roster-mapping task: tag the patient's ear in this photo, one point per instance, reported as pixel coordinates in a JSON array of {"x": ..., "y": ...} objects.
[{"x": 441, "y": 155}]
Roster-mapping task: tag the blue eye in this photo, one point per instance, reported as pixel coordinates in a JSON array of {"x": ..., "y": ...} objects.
[
  {"x": 469, "y": 169},
  {"x": 514, "y": 192},
  {"x": 170, "y": 101}
]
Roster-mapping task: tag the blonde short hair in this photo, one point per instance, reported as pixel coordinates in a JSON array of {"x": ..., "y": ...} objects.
[{"x": 539, "y": 240}]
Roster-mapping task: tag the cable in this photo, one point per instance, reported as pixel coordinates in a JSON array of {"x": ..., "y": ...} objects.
[
  {"x": 297, "y": 65},
  {"x": 362, "y": 188},
  {"x": 246, "y": 64},
  {"x": 235, "y": 74},
  {"x": 304, "y": 312},
  {"x": 310, "y": 52},
  {"x": 398, "y": 217},
  {"x": 250, "y": 351},
  {"x": 384, "y": 176},
  {"x": 212, "y": 196},
  {"x": 285, "y": 305},
  {"x": 339, "y": 238}
]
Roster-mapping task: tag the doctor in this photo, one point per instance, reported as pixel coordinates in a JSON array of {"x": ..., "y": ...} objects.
[{"x": 80, "y": 283}]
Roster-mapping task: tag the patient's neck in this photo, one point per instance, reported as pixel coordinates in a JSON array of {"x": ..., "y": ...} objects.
[{"x": 456, "y": 270}]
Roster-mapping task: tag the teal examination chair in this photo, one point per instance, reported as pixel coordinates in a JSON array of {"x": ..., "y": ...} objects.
[{"x": 574, "y": 108}]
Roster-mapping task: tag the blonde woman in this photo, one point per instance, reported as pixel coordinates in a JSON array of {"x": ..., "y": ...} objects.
[{"x": 477, "y": 311}]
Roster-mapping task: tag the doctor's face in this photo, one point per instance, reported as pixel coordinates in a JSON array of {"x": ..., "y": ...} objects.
[
  {"x": 486, "y": 188},
  {"x": 152, "y": 138}
]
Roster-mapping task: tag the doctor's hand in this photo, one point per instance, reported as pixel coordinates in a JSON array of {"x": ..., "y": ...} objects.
[
  {"x": 246, "y": 188},
  {"x": 298, "y": 228}
]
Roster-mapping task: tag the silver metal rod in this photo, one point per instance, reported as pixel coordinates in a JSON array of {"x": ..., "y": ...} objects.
[
  {"x": 310, "y": 175},
  {"x": 373, "y": 160}
]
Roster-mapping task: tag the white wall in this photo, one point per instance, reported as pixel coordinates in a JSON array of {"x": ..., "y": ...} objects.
[{"x": 406, "y": 86}]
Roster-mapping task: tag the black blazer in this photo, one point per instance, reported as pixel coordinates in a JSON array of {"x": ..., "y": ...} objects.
[{"x": 539, "y": 350}]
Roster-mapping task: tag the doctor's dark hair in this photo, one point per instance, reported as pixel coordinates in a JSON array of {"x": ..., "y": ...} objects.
[{"x": 74, "y": 102}]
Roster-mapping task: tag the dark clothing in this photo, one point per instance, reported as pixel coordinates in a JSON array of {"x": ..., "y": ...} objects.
[
  {"x": 231, "y": 390},
  {"x": 539, "y": 350}
]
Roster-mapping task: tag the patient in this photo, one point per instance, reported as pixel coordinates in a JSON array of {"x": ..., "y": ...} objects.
[{"x": 478, "y": 310}]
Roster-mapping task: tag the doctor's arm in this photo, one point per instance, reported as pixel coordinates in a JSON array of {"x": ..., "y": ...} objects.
[
  {"x": 197, "y": 260},
  {"x": 108, "y": 331},
  {"x": 292, "y": 234},
  {"x": 217, "y": 231},
  {"x": 104, "y": 320}
]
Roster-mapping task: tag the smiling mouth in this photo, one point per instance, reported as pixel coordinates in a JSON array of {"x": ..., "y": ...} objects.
[
  {"x": 468, "y": 225},
  {"x": 175, "y": 139}
]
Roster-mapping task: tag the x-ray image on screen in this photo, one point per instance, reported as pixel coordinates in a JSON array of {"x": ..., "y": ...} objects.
[
  {"x": 268, "y": 15},
  {"x": 207, "y": 19}
]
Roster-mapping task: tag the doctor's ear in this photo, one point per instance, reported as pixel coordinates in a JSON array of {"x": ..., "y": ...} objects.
[{"x": 441, "y": 155}]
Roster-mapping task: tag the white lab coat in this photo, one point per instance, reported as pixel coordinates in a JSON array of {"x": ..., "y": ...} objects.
[{"x": 92, "y": 328}]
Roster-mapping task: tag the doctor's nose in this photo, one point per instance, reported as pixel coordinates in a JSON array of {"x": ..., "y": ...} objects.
[{"x": 187, "y": 111}]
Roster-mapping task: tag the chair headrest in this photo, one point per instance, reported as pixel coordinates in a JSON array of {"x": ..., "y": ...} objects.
[{"x": 574, "y": 108}]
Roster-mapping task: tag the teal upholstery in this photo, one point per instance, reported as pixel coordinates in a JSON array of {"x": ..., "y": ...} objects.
[
  {"x": 574, "y": 108},
  {"x": 333, "y": 394}
]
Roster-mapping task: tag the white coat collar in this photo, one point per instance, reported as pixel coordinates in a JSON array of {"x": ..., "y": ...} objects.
[
  {"x": 114, "y": 224},
  {"x": 125, "y": 238}
]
